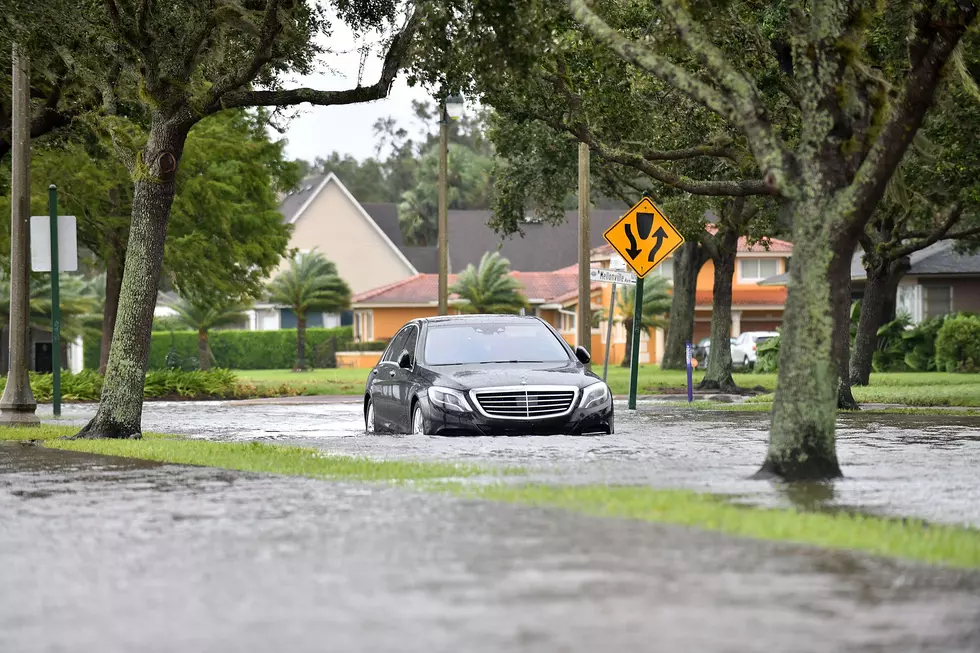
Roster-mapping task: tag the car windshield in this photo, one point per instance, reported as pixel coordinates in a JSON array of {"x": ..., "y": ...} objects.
[{"x": 489, "y": 342}]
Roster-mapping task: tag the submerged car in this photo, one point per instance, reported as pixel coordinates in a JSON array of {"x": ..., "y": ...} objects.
[{"x": 485, "y": 375}]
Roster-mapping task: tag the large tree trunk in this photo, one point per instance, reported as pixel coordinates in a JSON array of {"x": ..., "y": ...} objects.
[
  {"x": 121, "y": 405},
  {"x": 687, "y": 263},
  {"x": 879, "y": 294},
  {"x": 801, "y": 441},
  {"x": 113, "y": 282},
  {"x": 628, "y": 356},
  {"x": 840, "y": 299},
  {"x": 300, "y": 342},
  {"x": 719, "y": 374},
  {"x": 203, "y": 350}
]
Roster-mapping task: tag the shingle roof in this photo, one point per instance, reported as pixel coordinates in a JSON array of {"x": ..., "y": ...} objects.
[
  {"x": 425, "y": 259},
  {"x": 938, "y": 258},
  {"x": 543, "y": 287},
  {"x": 543, "y": 248},
  {"x": 295, "y": 200}
]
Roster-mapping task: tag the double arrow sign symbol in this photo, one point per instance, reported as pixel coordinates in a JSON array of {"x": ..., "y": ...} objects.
[{"x": 644, "y": 224}]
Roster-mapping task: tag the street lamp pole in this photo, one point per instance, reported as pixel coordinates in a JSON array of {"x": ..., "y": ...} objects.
[
  {"x": 443, "y": 210},
  {"x": 449, "y": 108},
  {"x": 18, "y": 406}
]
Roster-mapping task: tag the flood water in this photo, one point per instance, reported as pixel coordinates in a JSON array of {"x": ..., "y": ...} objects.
[
  {"x": 899, "y": 465},
  {"x": 114, "y": 555}
]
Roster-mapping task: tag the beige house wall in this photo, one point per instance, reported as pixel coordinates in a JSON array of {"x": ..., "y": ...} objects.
[{"x": 337, "y": 228}]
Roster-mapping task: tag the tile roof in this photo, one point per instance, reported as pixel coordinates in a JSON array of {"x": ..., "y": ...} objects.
[
  {"x": 765, "y": 245},
  {"x": 543, "y": 287}
]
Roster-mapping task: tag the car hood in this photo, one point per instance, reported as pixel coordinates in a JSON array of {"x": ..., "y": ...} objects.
[{"x": 469, "y": 377}]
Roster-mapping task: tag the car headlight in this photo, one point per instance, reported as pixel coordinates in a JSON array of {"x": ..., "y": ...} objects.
[
  {"x": 449, "y": 399},
  {"x": 595, "y": 395}
]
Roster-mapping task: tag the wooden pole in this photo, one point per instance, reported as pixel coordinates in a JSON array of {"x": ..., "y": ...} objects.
[
  {"x": 18, "y": 406},
  {"x": 443, "y": 210},
  {"x": 584, "y": 335}
]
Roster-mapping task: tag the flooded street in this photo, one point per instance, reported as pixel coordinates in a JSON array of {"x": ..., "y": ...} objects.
[
  {"x": 113, "y": 555},
  {"x": 900, "y": 465}
]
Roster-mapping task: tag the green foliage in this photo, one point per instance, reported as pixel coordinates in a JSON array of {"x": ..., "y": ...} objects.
[
  {"x": 77, "y": 299},
  {"x": 958, "y": 344},
  {"x": 920, "y": 345},
  {"x": 767, "y": 356},
  {"x": 489, "y": 288},
  {"x": 160, "y": 384},
  {"x": 310, "y": 284},
  {"x": 889, "y": 355},
  {"x": 656, "y": 304},
  {"x": 242, "y": 350}
]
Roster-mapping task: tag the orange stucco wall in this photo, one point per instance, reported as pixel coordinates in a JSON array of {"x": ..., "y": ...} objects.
[
  {"x": 388, "y": 320},
  {"x": 363, "y": 360},
  {"x": 706, "y": 282}
]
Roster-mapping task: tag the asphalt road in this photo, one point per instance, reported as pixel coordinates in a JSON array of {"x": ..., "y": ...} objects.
[{"x": 106, "y": 555}]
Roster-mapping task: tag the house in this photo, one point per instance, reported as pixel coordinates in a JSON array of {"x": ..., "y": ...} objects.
[{"x": 939, "y": 281}]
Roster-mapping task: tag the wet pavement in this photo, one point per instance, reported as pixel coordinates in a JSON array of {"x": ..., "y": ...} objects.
[
  {"x": 899, "y": 465},
  {"x": 103, "y": 554}
]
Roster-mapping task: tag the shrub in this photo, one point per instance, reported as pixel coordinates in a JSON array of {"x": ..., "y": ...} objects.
[
  {"x": 958, "y": 344},
  {"x": 920, "y": 345},
  {"x": 891, "y": 347},
  {"x": 160, "y": 384},
  {"x": 767, "y": 356}
]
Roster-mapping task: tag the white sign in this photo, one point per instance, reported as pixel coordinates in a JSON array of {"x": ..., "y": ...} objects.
[
  {"x": 617, "y": 262},
  {"x": 41, "y": 243},
  {"x": 612, "y": 276}
]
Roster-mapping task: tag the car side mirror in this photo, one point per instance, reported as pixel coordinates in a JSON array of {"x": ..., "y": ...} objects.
[
  {"x": 582, "y": 354},
  {"x": 405, "y": 360}
]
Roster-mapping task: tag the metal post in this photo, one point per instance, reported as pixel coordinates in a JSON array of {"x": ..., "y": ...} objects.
[
  {"x": 18, "y": 406},
  {"x": 609, "y": 324},
  {"x": 690, "y": 380},
  {"x": 635, "y": 354},
  {"x": 584, "y": 317},
  {"x": 55, "y": 302},
  {"x": 443, "y": 210}
]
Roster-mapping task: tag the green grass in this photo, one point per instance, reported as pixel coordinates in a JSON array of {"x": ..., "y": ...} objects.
[
  {"x": 907, "y": 539},
  {"x": 340, "y": 381},
  {"x": 910, "y": 389},
  {"x": 251, "y": 457}
]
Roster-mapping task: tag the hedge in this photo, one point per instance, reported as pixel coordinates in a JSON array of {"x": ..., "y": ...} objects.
[
  {"x": 160, "y": 384},
  {"x": 234, "y": 349},
  {"x": 958, "y": 344}
]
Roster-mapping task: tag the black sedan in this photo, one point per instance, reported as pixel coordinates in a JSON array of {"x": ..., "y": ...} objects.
[{"x": 485, "y": 375}]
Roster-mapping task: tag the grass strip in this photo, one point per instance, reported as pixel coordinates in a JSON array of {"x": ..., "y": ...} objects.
[
  {"x": 900, "y": 538},
  {"x": 253, "y": 457}
]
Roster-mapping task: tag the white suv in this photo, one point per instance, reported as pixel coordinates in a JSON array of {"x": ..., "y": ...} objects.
[{"x": 743, "y": 349}]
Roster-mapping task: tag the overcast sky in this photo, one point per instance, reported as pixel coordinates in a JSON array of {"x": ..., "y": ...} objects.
[{"x": 317, "y": 131}]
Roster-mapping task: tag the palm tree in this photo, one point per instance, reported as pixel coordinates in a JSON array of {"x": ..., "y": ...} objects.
[
  {"x": 203, "y": 315},
  {"x": 310, "y": 284},
  {"x": 656, "y": 304},
  {"x": 489, "y": 288}
]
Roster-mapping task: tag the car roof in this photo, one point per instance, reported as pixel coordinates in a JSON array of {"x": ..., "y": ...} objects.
[{"x": 475, "y": 317}]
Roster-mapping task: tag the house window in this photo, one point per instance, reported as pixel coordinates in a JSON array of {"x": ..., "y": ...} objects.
[
  {"x": 939, "y": 300},
  {"x": 757, "y": 269},
  {"x": 364, "y": 326},
  {"x": 665, "y": 269},
  {"x": 566, "y": 322}
]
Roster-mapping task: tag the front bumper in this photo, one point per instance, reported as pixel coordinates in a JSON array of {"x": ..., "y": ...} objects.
[{"x": 595, "y": 420}]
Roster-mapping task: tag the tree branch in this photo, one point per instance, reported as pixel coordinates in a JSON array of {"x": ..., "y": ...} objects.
[
  {"x": 393, "y": 60},
  {"x": 271, "y": 28},
  {"x": 920, "y": 85},
  {"x": 739, "y": 110},
  {"x": 938, "y": 234}
]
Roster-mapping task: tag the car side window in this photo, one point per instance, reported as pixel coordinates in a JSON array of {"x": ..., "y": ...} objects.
[
  {"x": 395, "y": 347},
  {"x": 411, "y": 341}
]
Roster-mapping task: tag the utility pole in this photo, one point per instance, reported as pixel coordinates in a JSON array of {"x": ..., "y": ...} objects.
[
  {"x": 584, "y": 317},
  {"x": 443, "y": 210},
  {"x": 18, "y": 406}
]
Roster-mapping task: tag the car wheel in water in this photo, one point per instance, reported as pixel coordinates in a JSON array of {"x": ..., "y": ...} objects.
[
  {"x": 369, "y": 417},
  {"x": 418, "y": 423}
]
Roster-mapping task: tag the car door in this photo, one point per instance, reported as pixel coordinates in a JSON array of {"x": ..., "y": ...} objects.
[
  {"x": 403, "y": 384},
  {"x": 384, "y": 377},
  {"x": 737, "y": 355}
]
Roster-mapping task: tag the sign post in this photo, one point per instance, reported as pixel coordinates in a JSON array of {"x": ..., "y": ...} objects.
[
  {"x": 614, "y": 275},
  {"x": 54, "y": 248},
  {"x": 690, "y": 380},
  {"x": 644, "y": 237},
  {"x": 612, "y": 308}
]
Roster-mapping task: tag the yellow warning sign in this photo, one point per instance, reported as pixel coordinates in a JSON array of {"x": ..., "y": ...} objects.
[{"x": 644, "y": 237}]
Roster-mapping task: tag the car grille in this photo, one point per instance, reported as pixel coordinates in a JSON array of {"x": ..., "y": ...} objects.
[{"x": 529, "y": 403}]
